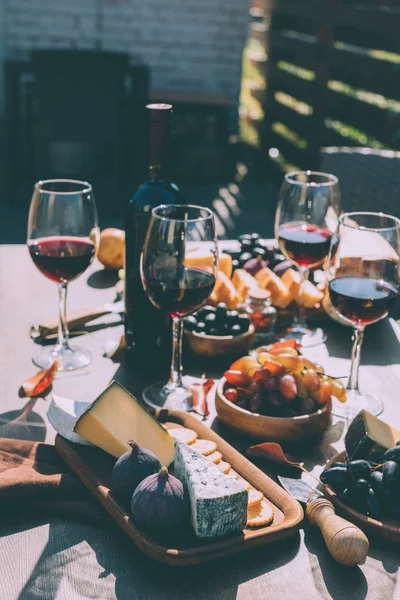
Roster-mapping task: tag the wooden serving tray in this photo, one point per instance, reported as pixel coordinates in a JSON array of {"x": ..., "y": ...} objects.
[
  {"x": 388, "y": 529},
  {"x": 93, "y": 467}
]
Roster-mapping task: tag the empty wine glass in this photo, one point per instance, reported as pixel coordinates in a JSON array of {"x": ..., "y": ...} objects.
[
  {"x": 175, "y": 288},
  {"x": 306, "y": 218},
  {"x": 363, "y": 271},
  {"x": 63, "y": 237}
]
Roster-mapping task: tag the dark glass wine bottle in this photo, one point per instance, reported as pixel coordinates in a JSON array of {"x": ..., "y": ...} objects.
[{"x": 146, "y": 328}]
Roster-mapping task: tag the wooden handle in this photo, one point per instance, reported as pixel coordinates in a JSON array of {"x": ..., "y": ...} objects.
[
  {"x": 75, "y": 320},
  {"x": 347, "y": 544}
]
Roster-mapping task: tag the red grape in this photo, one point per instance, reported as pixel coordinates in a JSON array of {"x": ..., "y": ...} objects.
[
  {"x": 232, "y": 395},
  {"x": 287, "y": 387},
  {"x": 236, "y": 378},
  {"x": 271, "y": 384},
  {"x": 311, "y": 379}
]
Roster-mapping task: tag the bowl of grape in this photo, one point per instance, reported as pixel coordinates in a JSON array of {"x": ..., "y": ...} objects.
[
  {"x": 367, "y": 492},
  {"x": 216, "y": 330},
  {"x": 277, "y": 395}
]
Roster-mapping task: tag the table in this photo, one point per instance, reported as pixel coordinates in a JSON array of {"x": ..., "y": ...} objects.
[{"x": 48, "y": 558}]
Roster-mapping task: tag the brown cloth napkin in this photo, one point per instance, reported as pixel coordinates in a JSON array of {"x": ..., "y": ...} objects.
[{"x": 34, "y": 478}]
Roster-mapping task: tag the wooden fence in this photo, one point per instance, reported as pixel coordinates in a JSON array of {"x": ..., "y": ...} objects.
[{"x": 329, "y": 73}]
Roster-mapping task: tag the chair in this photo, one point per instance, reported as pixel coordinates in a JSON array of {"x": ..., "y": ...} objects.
[{"x": 369, "y": 178}]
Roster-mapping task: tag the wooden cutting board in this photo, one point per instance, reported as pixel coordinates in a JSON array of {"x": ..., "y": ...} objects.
[{"x": 93, "y": 467}]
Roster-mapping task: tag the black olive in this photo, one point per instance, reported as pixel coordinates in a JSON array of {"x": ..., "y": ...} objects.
[
  {"x": 358, "y": 469},
  {"x": 233, "y": 317},
  {"x": 255, "y": 236},
  {"x": 210, "y": 322},
  {"x": 243, "y": 321},
  {"x": 235, "y": 264},
  {"x": 244, "y": 236},
  {"x": 213, "y": 332},
  {"x": 236, "y": 330},
  {"x": 392, "y": 454},
  {"x": 224, "y": 330},
  {"x": 190, "y": 323},
  {"x": 221, "y": 312},
  {"x": 200, "y": 327}
]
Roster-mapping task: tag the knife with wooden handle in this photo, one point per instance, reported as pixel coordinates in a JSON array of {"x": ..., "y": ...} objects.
[
  {"x": 346, "y": 543},
  {"x": 78, "y": 319}
]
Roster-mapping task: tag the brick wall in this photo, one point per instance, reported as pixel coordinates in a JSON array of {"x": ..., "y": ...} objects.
[{"x": 190, "y": 45}]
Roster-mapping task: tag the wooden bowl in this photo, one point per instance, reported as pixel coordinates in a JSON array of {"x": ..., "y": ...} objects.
[
  {"x": 387, "y": 529},
  {"x": 217, "y": 345},
  {"x": 271, "y": 429}
]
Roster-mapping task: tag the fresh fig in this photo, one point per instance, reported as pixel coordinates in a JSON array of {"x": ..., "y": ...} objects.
[
  {"x": 254, "y": 265},
  {"x": 131, "y": 468},
  {"x": 159, "y": 501}
]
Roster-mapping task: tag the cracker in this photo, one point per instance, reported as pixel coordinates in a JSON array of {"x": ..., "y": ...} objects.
[
  {"x": 259, "y": 515},
  {"x": 205, "y": 447},
  {"x": 215, "y": 457},
  {"x": 255, "y": 498},
  {"x": 183, "y": 434},
  {"x": 224, "y": 466}
]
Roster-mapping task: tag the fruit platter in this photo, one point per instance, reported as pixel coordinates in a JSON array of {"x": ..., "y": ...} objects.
[
  {"x": 168, "y": 481},
  {"x": 364, "y": 481},
  {"x": 277, "y": 394}
]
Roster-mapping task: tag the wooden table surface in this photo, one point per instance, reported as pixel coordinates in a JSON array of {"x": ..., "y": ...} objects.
[{"x": 47, "y": 558}]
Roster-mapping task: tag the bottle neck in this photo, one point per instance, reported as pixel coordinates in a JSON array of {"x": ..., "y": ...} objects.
[{"x": 159, "y": 134}]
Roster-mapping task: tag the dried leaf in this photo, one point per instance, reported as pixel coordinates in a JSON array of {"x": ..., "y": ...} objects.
[
  {"x": 273, "y": 452},
  {"x": 37, "y": 384},
  {"x": 199, "y": 394}
]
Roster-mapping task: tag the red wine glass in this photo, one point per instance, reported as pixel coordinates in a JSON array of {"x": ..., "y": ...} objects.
[
  {"x": 364, "y": 282},
  {"x": 63, "y": 236},
  {"x": 174, "y": 287},
  {"x": 306, "y": 218}
]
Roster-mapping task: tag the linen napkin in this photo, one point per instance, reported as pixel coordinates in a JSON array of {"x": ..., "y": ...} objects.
[{"x": 33, "y": 478}]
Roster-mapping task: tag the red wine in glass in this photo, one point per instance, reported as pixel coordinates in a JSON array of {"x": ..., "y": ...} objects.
[
  {"x": 362, "y": 300},
  {"x": 63, "y": 258},
  {"x": 180, "y": 292},
  {"x": 306, "y": 245}
]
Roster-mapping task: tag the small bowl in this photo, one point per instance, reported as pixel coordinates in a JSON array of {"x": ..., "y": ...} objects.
[
  {"x": 217, "y": 345},
  {"x": 271, "y": 429}
]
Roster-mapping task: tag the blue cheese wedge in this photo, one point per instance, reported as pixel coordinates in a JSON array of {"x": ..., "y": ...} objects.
[{"x": 218, "y": 503}]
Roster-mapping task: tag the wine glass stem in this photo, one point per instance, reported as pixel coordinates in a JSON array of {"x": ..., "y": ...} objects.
[
  {"x": 175, "y": 378},
  {"x": 63, "y": 333},
  {"x": 358, "y": 336},
  {"x": 300, "y": 319}
]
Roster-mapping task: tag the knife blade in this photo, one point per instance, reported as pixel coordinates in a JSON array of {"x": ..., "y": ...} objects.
[
  {"x": 77, "y": 319},
  {"x": 347, "y": 544}
]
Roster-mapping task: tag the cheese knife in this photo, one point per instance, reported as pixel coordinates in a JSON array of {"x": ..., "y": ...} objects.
[
  {"x": 346, "y": 543},
  {"x": 77, "y": 319}
]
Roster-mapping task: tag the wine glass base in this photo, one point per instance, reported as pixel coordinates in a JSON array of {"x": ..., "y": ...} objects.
[
  {"x": 355, "y": 402},
  {"x": 167, "y": 395},
  {"x": 304, "y": 336},
  {"x": 69, "y": 359}
]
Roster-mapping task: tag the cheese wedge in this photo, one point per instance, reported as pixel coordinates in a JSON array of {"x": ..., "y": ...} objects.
[
  {"x": 117, "y": 417},
  {"x": 268, "y": 280},
  {"x": 225, "y": 291},
  {"x": 310, "y": 295},
  {"x": 243, "y": 282},
  {"x": 368, "y": 437},
  {"x": 292, "y": 279},
  {"x": 200, "y": 258}
]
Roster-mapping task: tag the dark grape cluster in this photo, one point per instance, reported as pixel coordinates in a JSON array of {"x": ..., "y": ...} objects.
[
  {"x": 217, "y": 320},
  {"x": 371, "y": 488},
  {"x": 253, "y": 247}
]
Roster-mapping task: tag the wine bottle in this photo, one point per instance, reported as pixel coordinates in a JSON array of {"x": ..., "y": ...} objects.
[{"x": 146, "y": 328}]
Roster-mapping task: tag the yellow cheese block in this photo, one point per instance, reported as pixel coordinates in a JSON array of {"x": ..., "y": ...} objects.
[
  {"x": 200, "y": 259},
  {"x": 292, "y": 280},
  {"x": 225, "y": 291},
  {"x": 268, "y": 280},
  {"x": 243, "y": 282},
  {"x": 117, "y": 417}
]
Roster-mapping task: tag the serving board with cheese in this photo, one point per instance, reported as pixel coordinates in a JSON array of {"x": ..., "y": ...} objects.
[{"x": 234, "y": 506}]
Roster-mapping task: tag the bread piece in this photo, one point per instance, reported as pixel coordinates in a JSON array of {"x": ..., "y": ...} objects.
[
  {"x": 268, "y": 280},
  {"x": 200, "y": 258}
]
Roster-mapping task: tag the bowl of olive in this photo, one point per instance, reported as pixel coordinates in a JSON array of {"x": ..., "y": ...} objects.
[{"x": 216, "y": 330}]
